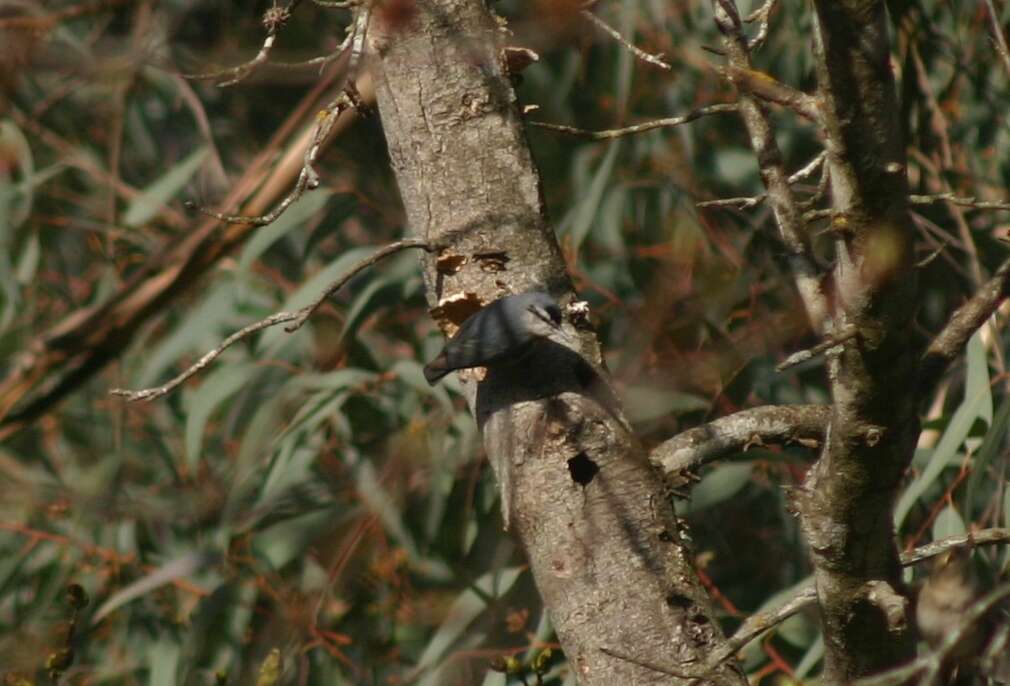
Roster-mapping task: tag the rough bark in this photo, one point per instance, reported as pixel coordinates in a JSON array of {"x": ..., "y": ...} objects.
[
  {"x": 593, "y": 516},
  {"x": 849, "y": 494},
  {"x": 734, "y": 433}
]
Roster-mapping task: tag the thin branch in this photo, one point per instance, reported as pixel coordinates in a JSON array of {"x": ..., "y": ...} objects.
[
  {"x": 962, "y": 324},
  {"x": 274, "y": 19},
  {"x": 758, "y": 623},
  {"x": 983, "y": 537},
  {"x": 736, "y": 432},
  {"x": 766, "y": 87},
  {"x": 320, "y": 61},
  {"x": 743, "y": 202},
  {"x": 380, "y": 254},
  {"x": 997, "y": 31},
  {"x": 932, "y": 663},
  {"x": 963, "y": 201},
  {"x": 298, "y": 317},
  {"x": 637, "y": 128},
  {"x": 308, "y": 178},
  {"x": 824, "y": 346},
  {"x": 631, "y": 47},
  {"x": 747, "y": 202},
  {"x": 792, "y": 229},
  {"x": 762, "y": 14}
]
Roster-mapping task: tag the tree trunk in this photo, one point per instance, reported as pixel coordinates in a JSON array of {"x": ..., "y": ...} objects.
[
  {"x": 849, "y": 497},
  {"x": 594, "y": 517}
]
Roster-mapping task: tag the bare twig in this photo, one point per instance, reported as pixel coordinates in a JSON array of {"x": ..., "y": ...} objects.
[
  {"x": 932, "y": 663},
  {"x": 743, "y": 202},
  {"x": 824, "y": 346},
  {"x": 762, "y": 14},
  {"x": 637, "y": 128},
  {"x": 962, "y": 324},
  {"x": 747, "y": 202},
  {"x": 736, "y": 432},
  {"x": 976, "y": 538},
  {"x": 792, "y": 229},
  {"x": 997, "y": 32},
  {"x": 758, "y": 623},
  {"x": 963, "y": 201},
  {"x": 274, "y": 20},
  {"x": 308, "y": 179},
  {"x": 298, "y": 317},
  {"x": 631, "y": 47},
  {"x": 396, "y": 247}
]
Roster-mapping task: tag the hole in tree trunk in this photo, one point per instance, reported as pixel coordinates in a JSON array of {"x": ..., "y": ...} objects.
[{"x": 582, "y": 469}]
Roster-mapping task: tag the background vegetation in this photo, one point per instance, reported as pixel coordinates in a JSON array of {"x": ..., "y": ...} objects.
[{"x": 310, "y": 494}]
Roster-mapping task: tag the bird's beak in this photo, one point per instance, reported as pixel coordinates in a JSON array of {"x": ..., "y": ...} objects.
[{"x": 542, "y": 315}]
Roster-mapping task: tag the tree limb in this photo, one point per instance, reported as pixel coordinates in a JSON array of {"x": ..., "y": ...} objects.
[
  {"x": 734, "y": 433},
  {"x": 847, "y": 500},
  {"x": 965, "y": 321}
]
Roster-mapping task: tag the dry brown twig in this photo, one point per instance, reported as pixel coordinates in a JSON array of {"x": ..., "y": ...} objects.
[
  {"x": 668, "y": 122},
  {"x": 347, "y": 98},
  {"x": 791, "y": 228},
  {"x": 274, "y": 19},
  {"x": 825, "y": 346},
  {"x": 749, "y": 201},
  {"x": 962, "y": 201},
  {"x": 761, "y": 15},
  {"x": 655, "y": 60}
]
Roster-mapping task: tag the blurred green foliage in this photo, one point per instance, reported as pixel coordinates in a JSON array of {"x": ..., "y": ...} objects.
[{"x": 310, "y": 511}]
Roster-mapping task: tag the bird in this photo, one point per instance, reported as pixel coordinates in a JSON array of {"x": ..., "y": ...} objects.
[
  {"x": 947, "y": 595},
  {"x": 501, "y": 330}
]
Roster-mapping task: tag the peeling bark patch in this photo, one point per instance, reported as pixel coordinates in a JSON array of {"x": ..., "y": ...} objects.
[
  {"x": 678, "y": 601},
  {"x": 449, "y": 263},
  {"x": 583, "y": 469},
  {"x": 453, "y": 310},
  {"x": 492, "y": 261}
]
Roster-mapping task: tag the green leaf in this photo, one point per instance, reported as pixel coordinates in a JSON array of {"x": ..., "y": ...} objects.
[
  {"x": 645, "y": 403},
  {"x": 995, "y": 439},
  {"x": 978, "y": 404},
  {"x": 466, "y": 608},
  {"x": 310, "y": 290},
  {"x": 948, "y": 523},
  {"x": 811, "y": 658},
  {"x": 581, "y": 218},
  {"x": 156, "y": 196},
  {"x": 719, "y": 485},
  {"x": 295, "y": 217},
  {"x": 215, "y": 389},
  {"x": 163, "y": 658}
]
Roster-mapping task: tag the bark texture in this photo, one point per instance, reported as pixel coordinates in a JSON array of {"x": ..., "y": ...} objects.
[
  {"x": 594, "y": 518},
  {"x": 848, "y": 502}
]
